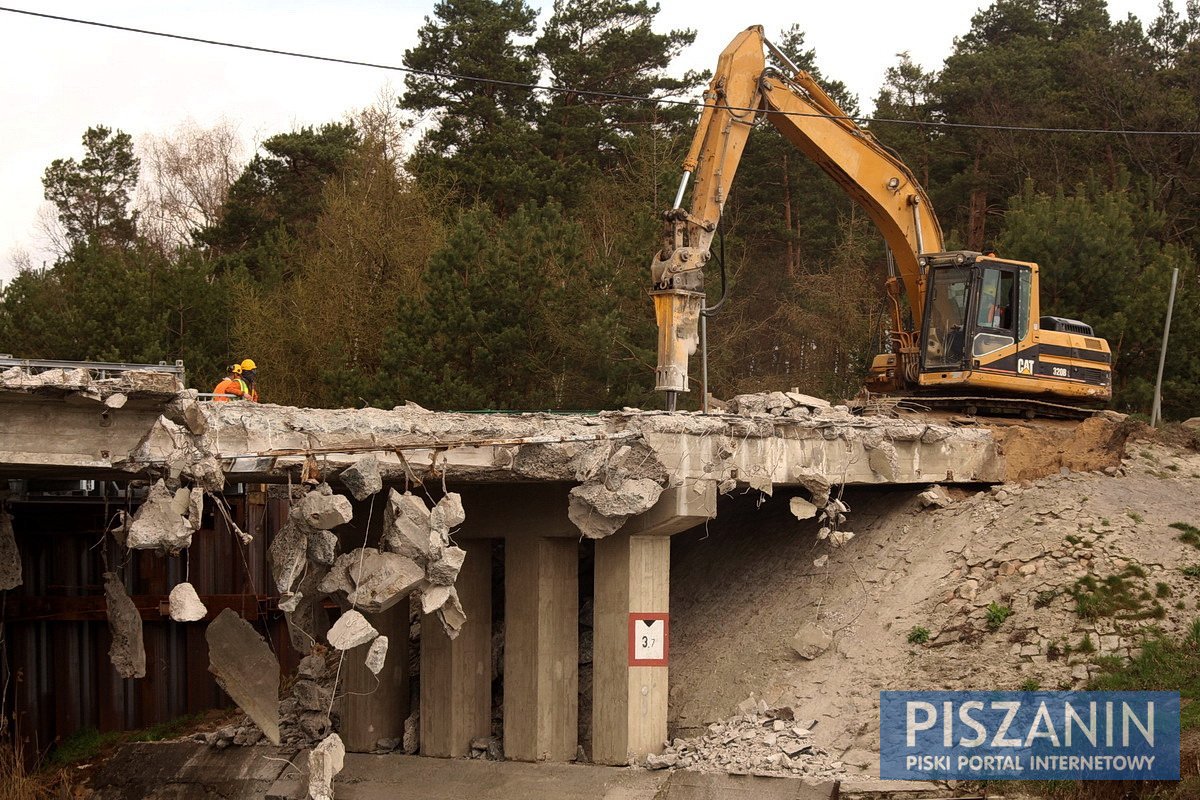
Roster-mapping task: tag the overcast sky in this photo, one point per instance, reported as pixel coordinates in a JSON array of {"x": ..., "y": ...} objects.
[{"x": 60, "y": 78}]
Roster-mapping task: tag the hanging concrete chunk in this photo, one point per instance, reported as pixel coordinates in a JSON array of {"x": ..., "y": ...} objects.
[
  {"x": 434, "y": 597},
  {"x": 195, "y": 512},
  {"x": 326, "y": 511},
  {"x": 10, "y": 557},
  {"x": 350, "y": 631},
  {"x": 801, "y": 508},
  {"x": 406, "y": 527},
  {"x": 324, "y": 763},
  {"x": 444, "y": 571},
  {"x": 371, "y": 580},
  {"x": 127, "y": 653},
  {"x": 377, "y": 654},
  {"x": 599, "y": 511},
  {"x": 448, "y": 513},
  {"x": 157, "y": 525},
  {"x": 452, "y": 615},
  {"x": 362, "y": 478},
  {"x": 246, "y": 669},
  {"x": 185, "y": 604}
]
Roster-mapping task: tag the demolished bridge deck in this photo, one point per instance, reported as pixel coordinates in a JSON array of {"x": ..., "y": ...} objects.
[{"x": 136, "y": 427}]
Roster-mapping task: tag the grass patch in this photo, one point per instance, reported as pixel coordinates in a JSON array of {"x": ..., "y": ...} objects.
[
  {"x": 87, "y": 743},
  {"x": 1135, "y": 516},
  {"x": 1162, "y": 589},
  {"x": 1030, "y": 685},
  {"x": 1087, "y": 646},
  {"x": 1191, "y": 571},
  {"x": 19, "y": 781},
  {"x": 918, "y": 635},
  {"x": 1163, "y": 664},
  {"x": 1107, "y": 597},
  {"x": 1189, "y": 534},
  {"x": 996, "y": 614}
]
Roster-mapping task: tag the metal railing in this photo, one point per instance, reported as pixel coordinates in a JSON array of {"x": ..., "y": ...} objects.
[{"x": 98, "y": 369}]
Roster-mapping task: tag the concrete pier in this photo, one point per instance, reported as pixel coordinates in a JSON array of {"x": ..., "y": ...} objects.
[
  {"x": 541, "y": 648},
  {"x": 456, "y": 674}
]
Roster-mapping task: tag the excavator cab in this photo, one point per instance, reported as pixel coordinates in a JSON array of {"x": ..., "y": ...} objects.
[{"x": 982, "y": 332}]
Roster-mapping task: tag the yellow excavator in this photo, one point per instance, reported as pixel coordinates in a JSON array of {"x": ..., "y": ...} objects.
[{"x": 977, "y": 337}]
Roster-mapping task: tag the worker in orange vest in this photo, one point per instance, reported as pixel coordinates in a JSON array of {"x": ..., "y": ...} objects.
[
  {"x": 249, "y": 378},
  {"x": 232, "y": 387}
]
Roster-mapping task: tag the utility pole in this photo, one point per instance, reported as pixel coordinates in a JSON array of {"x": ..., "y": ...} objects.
[{"x": 1156, "y": 410}]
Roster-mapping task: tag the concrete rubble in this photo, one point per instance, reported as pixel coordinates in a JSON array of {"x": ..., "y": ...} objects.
[
  {"x": 350, "y": 631},
  {"x": 377, "y": 655},
  {"x": 127, "y": 652},
  {"x": 757, "y": 741},
  {"x": 811, "y": 641},
  {"x": 324, "y": 510},
  {"x": 370, "y": 580},
  {"x": 362, "y": 478},
  {"x": 801, "y": 508},
  {"x": 10, "y": 557},
  {"x": 161, "y": 521},
  {"x": 244, "y": 666},
  {"x": 934, "y": 497},
  {"x": 185, "y": 605},
  {"x": 325, "y": 761},
  {"x": 600, "y": 508}
]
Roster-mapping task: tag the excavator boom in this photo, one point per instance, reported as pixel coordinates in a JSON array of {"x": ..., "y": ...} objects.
[
  {"x": 742, "y": 89},
  {"x": 976, "y": 323}
]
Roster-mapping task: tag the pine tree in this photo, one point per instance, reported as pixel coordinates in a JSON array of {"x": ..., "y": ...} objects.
[
  {"x": 609, "y": 47},
  {"x": 481, "y": 143},
  {"x": 92, "y": 195}
]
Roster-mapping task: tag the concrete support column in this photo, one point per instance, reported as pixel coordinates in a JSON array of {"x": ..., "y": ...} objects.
[
  {"x": 456, "y": 674},
  {"x": 629, "y": 704},
  {"x": 541, "y": 648},
  {"x": 375, "y": 707}
]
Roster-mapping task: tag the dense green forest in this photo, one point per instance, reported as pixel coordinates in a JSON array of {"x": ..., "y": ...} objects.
[{"x": 468, "y": 245}]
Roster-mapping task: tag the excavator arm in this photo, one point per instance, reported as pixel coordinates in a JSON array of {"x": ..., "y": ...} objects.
[{"x": 742, "y": 89}]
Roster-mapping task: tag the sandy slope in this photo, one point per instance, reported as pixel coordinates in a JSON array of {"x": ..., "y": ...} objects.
[{"x": 740, "y": 591}]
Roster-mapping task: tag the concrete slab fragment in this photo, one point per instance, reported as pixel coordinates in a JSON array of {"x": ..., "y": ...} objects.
[
  {"x": 246, "y": 669},
  {"x": 10, "y": 557},
  {"x": 127, "y": 652}
]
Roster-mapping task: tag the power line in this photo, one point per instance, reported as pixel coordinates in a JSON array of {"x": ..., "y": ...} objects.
[{"x": 537, "y": 87}]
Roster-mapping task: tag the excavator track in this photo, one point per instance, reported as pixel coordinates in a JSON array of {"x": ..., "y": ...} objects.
[{"x": 997, "y": 406}]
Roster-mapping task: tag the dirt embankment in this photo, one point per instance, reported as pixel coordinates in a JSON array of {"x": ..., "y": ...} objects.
[
  {"x": 1008, "y": 585},
  {"x": 1035, "y": 449}
]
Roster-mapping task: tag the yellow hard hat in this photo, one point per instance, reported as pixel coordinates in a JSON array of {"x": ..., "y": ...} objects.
[
  {"x": 236, "y": 369},
  {"x": 248, "y": 364}
]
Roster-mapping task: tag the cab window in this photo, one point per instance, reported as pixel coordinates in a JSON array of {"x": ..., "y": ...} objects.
[{"x": 996, "y": 299}]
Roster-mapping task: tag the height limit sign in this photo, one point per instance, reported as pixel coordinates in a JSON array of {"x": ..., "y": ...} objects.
[{"x": 649, "y": 639}]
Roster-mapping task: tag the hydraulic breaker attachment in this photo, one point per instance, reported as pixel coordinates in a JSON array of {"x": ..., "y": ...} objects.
[{"x": 678, "y": 314}]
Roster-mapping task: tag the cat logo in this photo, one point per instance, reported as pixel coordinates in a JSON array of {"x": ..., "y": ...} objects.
[{"x": 1025, "y": 366}]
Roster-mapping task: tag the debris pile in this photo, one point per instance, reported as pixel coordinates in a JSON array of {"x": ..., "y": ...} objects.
[
  {"x": 756, "y": 741},
  {"x": 784, "y": 404}
]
